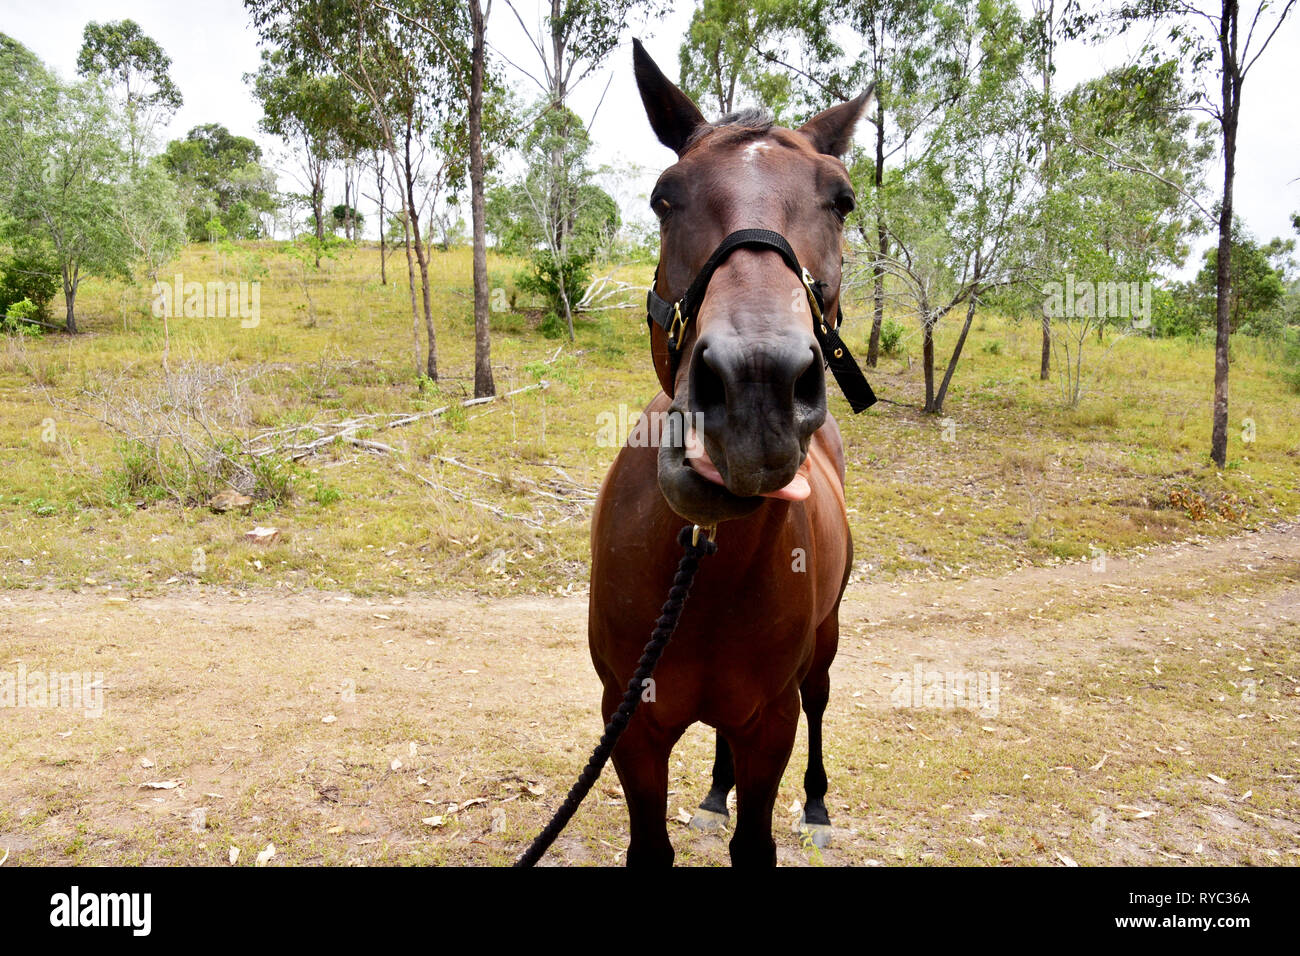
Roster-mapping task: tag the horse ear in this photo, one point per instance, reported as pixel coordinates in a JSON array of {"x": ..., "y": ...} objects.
[
  {"x": 831, "y": 131},
  {"x": 672, "y": 115}
]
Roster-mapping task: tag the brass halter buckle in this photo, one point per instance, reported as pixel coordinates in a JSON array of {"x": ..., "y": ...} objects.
[
  {"x": 676, "y": 328},
  {"x": 807, "y": 280}
]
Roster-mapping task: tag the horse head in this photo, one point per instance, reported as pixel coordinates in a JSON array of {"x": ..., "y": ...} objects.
[{"x": 745, "y": 372}]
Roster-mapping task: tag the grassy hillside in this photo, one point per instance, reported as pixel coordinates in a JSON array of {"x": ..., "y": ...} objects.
[{"x": 494, "y": 498}]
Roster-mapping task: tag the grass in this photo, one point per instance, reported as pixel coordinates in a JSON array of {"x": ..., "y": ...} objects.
[
  {"x": 1145, "y": 716},
  {"x": 1006, "y": 476}
]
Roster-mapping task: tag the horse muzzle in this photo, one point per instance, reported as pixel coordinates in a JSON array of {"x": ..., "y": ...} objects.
[{"x": 744, "y": 424}]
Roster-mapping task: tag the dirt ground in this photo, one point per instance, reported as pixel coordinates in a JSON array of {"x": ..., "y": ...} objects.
[{"x": 1145, "y": 712}]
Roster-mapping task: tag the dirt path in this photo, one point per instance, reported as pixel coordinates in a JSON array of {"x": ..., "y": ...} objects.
[{"x": 1140, "y": 712}]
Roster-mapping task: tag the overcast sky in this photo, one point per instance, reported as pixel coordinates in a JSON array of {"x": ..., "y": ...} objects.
[{"x": 212, "y": 46}]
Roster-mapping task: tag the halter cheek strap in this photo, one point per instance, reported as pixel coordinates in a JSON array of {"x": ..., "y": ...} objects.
[{"x": 674, "y": 317}]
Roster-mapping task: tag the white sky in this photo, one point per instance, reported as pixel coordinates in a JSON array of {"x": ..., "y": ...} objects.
[{"x": 212, "y": 45}]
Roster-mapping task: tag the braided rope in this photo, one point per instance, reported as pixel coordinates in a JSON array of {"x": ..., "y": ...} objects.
[{"x": 664, "y": 628}]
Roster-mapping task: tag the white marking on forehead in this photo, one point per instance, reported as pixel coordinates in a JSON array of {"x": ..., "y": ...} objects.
[{"x": 753, "y": 149}]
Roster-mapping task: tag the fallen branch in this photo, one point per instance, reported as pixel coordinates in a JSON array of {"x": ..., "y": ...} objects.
[
  {"x": 602, "y": 289},
  {"x": 585, "y": 494},
  {"x": 344, "y": 430},
  {"x": 461, "y": 496}
]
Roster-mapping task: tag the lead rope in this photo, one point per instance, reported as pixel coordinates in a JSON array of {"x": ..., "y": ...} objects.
[{"x": 696, "y": 545}]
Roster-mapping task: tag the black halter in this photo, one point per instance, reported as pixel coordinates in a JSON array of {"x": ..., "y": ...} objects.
[{"x": 674, "y": 317}]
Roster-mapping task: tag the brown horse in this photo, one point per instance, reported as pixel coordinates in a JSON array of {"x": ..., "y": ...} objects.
[{"x": 766, "y": 459}]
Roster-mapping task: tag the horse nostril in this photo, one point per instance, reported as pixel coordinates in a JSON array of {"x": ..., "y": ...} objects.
[
  {"x": 708, "y": 390},
  {"x": 810, "y": 385}
]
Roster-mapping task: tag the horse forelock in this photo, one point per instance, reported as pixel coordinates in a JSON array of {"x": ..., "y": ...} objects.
[{"x": 740, "y": 126}]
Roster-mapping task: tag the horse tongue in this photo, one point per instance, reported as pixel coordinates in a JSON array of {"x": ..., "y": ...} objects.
[{"x": 797, "y": 490}]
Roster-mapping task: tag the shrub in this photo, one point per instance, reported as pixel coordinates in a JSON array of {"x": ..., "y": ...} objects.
[
  {"x": 29, "y": 276},
  {"x": 891, "y": 337},
  {"x": 544, "y": 274},
  {"x": 16, "y": 318}
]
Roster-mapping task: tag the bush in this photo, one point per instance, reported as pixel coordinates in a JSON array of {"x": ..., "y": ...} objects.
[
  {"x": 30, "y": 276},
  {"x": 891, "y": 337},
  {"x": 552, "y": 326},
  {"x": 1291, "y": 362},
  {"x": 543, "y": 278},
  {"x": 1175, "y": 312},
  {"x": 16, "y": 318}
]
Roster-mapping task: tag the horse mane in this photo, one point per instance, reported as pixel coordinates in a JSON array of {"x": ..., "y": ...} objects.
[{"x": 748, "y": 123}]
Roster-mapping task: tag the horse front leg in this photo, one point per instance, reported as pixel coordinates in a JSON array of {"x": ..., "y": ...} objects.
[
  {"x": 641, "y": 760},
  {"x": 760, "y": 753}
]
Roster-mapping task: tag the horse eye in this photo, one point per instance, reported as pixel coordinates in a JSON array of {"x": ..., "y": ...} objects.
[
  {"x": 843, "y": 204},
  {"x": 660, "y": 206}
]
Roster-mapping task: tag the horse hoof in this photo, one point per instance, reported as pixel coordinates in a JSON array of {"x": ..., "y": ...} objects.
[
  {"x": 818, "y": 834},
  {"x": 707, "y": 820}
]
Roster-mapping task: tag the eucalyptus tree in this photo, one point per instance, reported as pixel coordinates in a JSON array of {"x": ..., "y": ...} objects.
[
  {"x": 61, "y": 156},
  {"x": 718, "y": 60},
  {"x": 913, "y": 51},
  {"x": 799, "y": 56},
  {"x": 572, "y": 40},
  {"x": 221, "y": 176},
  {"x": 1207, "y": 37},
  {"x": 411, "y": 63},
  {"x": 961, "y": 207},
  {"x": 135, "y": 67},
  {"x": 302, "y": 107},
  {"x": 522, "y": 212}
]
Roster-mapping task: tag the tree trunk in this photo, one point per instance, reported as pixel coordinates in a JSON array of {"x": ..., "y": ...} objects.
[
  {"x": 483, "y": 384},
  {"x": 564, "y": 298},
  {"x": 318, "y": 214},
  {"x": 70, "y": 283},
  {"x": 347, "y": 205},
  {"x": 1223, "y": 271},
  {"x": 383, "y": 222},
  {"x": 1045, "y": 368},
  {"x": 422, "y": 257},
  {"x": 410, "y": 278},
  {"x": 1048, "y": 10},
  {"x": 882, "y": 242},
  {"x": 956, "y": 354},
  {"x": 927, "y": 359}
]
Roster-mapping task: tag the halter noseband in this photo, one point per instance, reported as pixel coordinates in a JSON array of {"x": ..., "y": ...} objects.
[{"x": 674, "y": 317}]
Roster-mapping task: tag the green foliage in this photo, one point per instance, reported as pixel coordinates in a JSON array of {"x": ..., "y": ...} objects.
[
  {"x": 17, "y": 318},
  {"x": 891, "y": 336},
  {"x": 63, "y": 165},
  {"x": 545, "y": 275},
  {"x": 142, "y": 473},
  {"x": 28, "y": 276},
  {"x": 1291, "y": 360},
  {"x": 719, "y": 68},
  {"x": 225, "y": 187},
  {"x": 339, "y": 217},
  {"x": 1177, "y": 310},
  {"x": 555, "y": 214},
  {"x": 325, "y": 495},
  {"x": 137, "y": 68},
  {"x": 1256, "y": 287}
]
